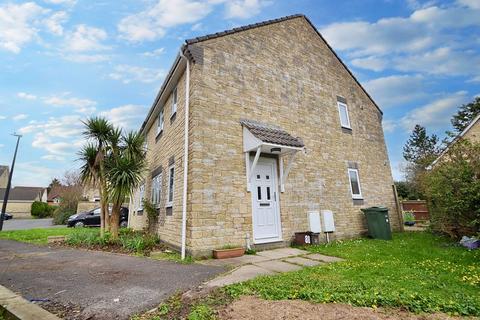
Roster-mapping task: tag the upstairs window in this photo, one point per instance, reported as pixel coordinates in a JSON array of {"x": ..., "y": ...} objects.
[
  {"x": 141, "y": 195},
  {"x": 344, "y": 118},
  {"x": 355, "y": 184},
  {"x": 156, "y": 189},
  {"x": 174, "y": 102},
  {"x": 160, "y": 122},
  {"x": 171, "y": 181}
]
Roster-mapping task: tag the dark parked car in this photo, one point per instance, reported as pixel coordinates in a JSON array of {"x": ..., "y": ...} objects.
[
  {"x": 92, "y": 218},
  {"x": 7, "y": 216}
]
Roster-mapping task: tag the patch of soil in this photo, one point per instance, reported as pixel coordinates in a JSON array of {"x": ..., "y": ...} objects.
[
  {"x": 254, "y": 308},
  {"x": 63, "y": 311},
  {"x": 110, "y": 247}
]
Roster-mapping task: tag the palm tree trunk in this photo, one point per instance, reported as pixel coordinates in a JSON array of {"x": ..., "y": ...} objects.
[
  {"x": 102, "y": 211},
  {"x": 115, "y": 221}
]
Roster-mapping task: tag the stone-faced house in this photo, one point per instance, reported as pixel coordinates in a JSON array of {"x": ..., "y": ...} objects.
[
  {"x": 277, "y": 127},
  {"x": 471, "y": 132},
  {"x": 20, "y": 199}
]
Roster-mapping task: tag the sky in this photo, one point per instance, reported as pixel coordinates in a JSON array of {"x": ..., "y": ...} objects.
[{"x": 65, "y": 60}]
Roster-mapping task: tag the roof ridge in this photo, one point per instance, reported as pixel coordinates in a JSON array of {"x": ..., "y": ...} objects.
[{"x": 242, "y": 28}]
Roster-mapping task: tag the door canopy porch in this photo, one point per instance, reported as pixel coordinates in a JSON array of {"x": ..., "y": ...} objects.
[{"x": 264, "y": 138}]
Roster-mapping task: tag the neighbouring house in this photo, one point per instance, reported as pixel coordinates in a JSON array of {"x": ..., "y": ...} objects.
[
  {"x": 4, "y": 172},
  {"x": 20, "y": 199},
  {"x": 277, "y": 127},
  {"x": 471, "y": 132},
  {"x": 89, "y": 197}
]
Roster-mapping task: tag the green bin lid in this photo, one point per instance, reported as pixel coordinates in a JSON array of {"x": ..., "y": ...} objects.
[{"x": 375, "y": 209}]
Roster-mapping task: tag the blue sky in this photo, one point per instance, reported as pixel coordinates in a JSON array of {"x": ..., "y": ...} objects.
[{"x": 63, "y": 60}]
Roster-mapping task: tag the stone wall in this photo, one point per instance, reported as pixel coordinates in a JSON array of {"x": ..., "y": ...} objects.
[
  {"x": 474, "y": 133},
  {"x": 19, "y": 209},
  {"x": 84, "y": 206},
  {"x": 162, "y": 150},
  {"x": 281, "y": 74}
]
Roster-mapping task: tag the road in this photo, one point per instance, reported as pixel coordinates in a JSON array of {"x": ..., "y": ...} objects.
[
  {"x": 23, "y": 224},
  {"x": 93, "y": 284}
]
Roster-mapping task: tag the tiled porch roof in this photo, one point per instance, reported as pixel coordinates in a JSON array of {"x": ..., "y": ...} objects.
[{"x": 272, "y": 134}]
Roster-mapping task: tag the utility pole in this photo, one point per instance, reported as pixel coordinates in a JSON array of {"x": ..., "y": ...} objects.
[{"x": 9, "y": 184}]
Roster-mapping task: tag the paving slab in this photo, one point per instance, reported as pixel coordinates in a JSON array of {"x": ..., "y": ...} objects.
[
  {"x": 323, "y": 258},
  {"x": 278, "y": 266},
  {"x": 235, "y": 262},
  {"x": 281, "y": 253},
  {"x": 303, "y": 261},
  {"x": 241, "y": 274}
]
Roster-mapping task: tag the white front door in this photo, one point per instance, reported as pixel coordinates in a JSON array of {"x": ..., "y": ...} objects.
[{"x": 266, "y": 213}]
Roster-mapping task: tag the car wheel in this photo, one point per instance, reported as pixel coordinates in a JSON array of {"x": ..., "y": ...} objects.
[
  {"x": 79, "y": 224},
  {"x": 123, "y": 224}
]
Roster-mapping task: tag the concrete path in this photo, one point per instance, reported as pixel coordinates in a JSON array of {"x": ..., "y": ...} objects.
[
  {"x": 265, "y": 263},
  {"x": 93, "y": 284},
  {"x": 23, "y": 224}
]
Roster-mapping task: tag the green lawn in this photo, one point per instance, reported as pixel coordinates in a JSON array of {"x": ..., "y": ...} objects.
[
  {"x": 416, "y": 271},
  {"x": 38, "y": 236}
]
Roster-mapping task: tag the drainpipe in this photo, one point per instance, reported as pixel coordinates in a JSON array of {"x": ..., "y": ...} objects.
[{"x": 185, "y": 155}]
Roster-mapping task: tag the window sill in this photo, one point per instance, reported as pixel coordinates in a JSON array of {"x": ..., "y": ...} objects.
[
  {"x": 169, "y": 205},
  {"x": 158, "y": 136},
  {"x": 346, "y": 128},
  {"x": 357, "y": 198}
]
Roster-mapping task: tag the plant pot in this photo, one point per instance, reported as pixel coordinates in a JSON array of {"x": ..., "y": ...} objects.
[
  {"x": 228, "y": 253},
  {"x": 409, "y": 223}
]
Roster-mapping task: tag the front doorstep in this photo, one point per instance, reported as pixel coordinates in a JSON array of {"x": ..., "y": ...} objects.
[{"x": 228, "y": 253}]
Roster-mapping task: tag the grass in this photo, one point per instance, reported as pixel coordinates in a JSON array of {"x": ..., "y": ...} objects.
[
  {"x": 416, "y": 271},
  {"x": 37, "y": 236}
]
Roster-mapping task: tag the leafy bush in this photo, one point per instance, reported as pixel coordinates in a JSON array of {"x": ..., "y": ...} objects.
[
  {"x": 408, "y": 216},
  {"x": 61, "y": 214},
  {"x": 41, "y": 209},
  {"x": 129, "y": 240},
  {"x": 453, "y": 191},
  {"x": 152, "y": 216},
  {"x": 201, "y": 312}
]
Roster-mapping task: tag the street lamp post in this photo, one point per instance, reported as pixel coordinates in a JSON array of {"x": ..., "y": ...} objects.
[{"x": 9, "y": 184}]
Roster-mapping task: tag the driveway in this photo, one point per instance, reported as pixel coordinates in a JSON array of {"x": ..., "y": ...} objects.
[
  {"x": 23, "y": 224},
  {"x": 92, "y": 284}
]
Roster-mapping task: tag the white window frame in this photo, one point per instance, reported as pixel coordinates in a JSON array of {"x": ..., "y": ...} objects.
[
  {"x": 339, "y": 106},
  {"x": 141, "y": 195},
  {"x": 174, "y": 101},
  {"x": 156, "y": 190},
  {"x": 170, "y": 185},
  {"x": 161, "y": 122},
  {"x": 355, "y": 196}
]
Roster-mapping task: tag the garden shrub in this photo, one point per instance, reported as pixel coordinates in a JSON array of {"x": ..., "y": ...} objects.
[
  {"x": 453, "y": 191},
  {"x": 61, "y": 214},
  {"x": 152, "y": 216},
  {"x": 41, "y": 209}
]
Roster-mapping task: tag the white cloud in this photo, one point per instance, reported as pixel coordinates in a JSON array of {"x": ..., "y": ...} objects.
[
  {"x": 431, "y": 40},
  {"x": 389, "y": 125},
  {"x": 33, "y": 173},
  {"x": 86, "y": 106},
  {"x": 16, "y": 25},
  {"x": 61, "y": 2},
  {"x": 435, "y": 114},
  {"x": 370, "y": 63},
  {"x": 244, "y": 9},
  {"x": 3, "y": 117},
  {"x": 20, "y": 116},
  {"x": 21, "y": 24},
  {"x": 154, "y": 53},
  {"x": 53, "y": 157},
  {"x": 152, "y": 23},
  {"x": 396, "y": 89},
  {"x": 55, "y": 21},
  {"x": 128, "y": 117},
  {"x": 85, "y": 38},
  {"x": 127, "y": 74},
  {"x": 2, "y": 145},
  {"x": 85, "y": 44},
  {"x": 26, "y": 96},
  {"x": 441, "y": 61}
]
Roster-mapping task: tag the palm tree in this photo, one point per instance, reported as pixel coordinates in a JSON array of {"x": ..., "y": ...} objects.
[
  {"x": 124, "y": 168},
  {"x": 100, "y": 131}
]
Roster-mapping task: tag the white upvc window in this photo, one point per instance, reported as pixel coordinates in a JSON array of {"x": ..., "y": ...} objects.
[
  {"x": 174, "y": 102},
  {"x": 156, "y": 189},
  {"x": 160, "y": 123},
  {"x": 355, "y": 188},
  {"x": 141, "y": 195},
  {"x": 171, "y": 182},
  {"x": 344, "y": 117}
]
